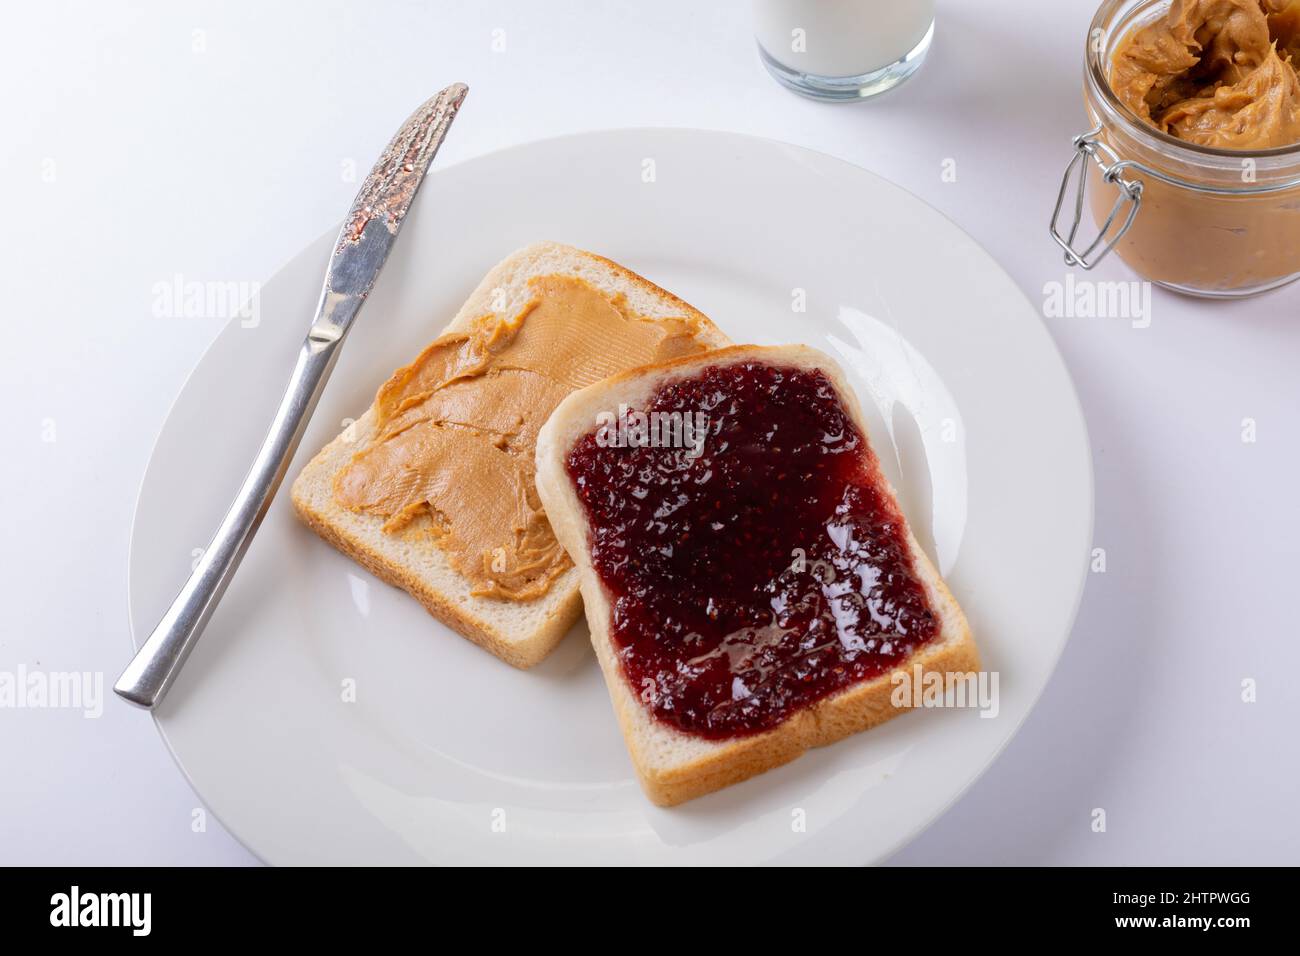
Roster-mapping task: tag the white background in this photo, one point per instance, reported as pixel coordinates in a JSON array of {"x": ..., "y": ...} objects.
[{"x": 135, "y": 149}]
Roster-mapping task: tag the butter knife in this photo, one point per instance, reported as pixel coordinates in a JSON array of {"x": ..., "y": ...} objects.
[{"x": 359, "y": 254}]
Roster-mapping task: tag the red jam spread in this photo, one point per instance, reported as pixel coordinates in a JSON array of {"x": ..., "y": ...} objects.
[{"x": 759, "y": 570}]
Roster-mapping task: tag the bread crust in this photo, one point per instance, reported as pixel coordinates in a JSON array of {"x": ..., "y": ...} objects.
[
  {"x": 674, "y": 766},
  {"x": 522, "y": 653},
  {"x": 492, "y": 623}
]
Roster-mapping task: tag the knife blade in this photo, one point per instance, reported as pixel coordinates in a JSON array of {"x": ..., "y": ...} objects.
[{"x": 362, "y": 248}]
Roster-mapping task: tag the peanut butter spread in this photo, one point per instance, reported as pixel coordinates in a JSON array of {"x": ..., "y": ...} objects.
[
  {"x": 1216, "y": 72},
  {"x": 456, "y": 429}
]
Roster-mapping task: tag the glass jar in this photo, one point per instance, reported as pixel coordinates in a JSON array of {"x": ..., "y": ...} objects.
[{"x": 1222, "y": 223}]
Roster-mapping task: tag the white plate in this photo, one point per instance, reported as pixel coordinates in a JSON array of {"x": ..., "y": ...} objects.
[{"x": 448, "y": 755}]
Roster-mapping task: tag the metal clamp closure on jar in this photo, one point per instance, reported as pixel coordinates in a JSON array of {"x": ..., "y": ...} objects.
[
  {"x": 1129, "y": 198},
  {"x": 1089, "y": 146}
]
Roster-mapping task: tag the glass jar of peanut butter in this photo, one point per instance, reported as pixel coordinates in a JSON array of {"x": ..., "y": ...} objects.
[{"x": 1192, "y": 168}]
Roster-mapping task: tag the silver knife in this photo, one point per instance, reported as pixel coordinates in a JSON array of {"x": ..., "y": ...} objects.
[{"x": 359, "y": 254}]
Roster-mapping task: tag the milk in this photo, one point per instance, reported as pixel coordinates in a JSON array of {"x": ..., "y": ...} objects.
[{"x": 840, "y": 37}]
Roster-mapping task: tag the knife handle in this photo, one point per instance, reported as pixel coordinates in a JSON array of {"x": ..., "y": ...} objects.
[{"x": 149, "y": 675}]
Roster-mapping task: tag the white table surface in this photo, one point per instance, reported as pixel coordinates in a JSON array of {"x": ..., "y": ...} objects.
[{"x": 219, "y": 163}]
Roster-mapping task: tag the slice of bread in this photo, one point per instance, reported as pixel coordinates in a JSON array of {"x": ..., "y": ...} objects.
[
  {"x": 674, "y": 766},
  {"x": 521, "y": 633}
]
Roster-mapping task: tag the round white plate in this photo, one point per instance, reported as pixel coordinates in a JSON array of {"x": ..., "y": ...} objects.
[{"x": 326, "y": 718}]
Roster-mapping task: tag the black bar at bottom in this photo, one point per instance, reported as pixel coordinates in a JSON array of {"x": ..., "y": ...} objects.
[{"x": 210, "y": 905}]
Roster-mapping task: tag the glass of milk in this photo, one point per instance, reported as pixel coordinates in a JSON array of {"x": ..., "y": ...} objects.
[{"x": 843, "y": 49}]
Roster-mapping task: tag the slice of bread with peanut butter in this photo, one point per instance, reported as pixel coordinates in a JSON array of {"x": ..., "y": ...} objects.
[{"x": 432, "y": 489}]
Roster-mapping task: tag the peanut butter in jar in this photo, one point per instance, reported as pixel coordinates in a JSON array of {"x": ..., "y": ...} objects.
[{"x": 1192, "y": 169}]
